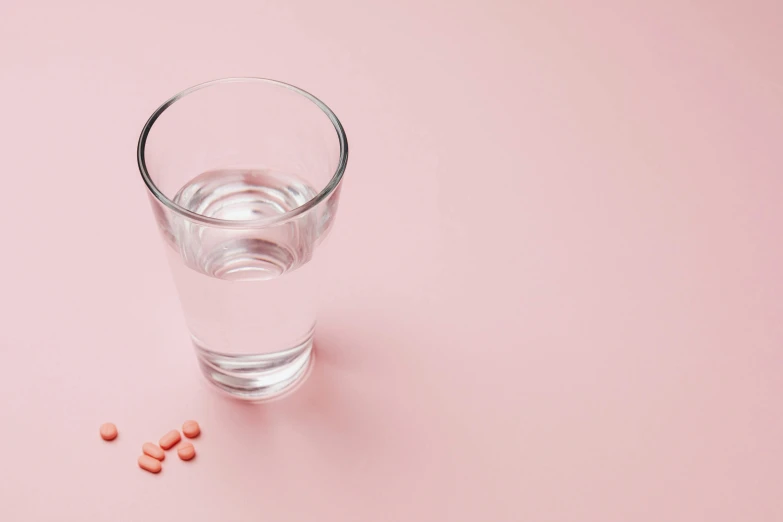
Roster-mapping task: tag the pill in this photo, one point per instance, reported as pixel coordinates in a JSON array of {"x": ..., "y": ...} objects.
[
  {"x": 169, "y": 439},
  {"x": 153, "y": 450},
  {"x": 191, "y": 429},
  {"x": 108, "y": 431},
  {"x": 147, "y": 463},
  {"x": 186, "y": 451}
]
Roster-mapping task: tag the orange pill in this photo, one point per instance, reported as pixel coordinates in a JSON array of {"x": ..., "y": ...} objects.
[
  {"x": 191, "y": 429},
  {"x": 169, "y": 439},
  {"x": 108, "y": 431},
  {"x": 186, "y": 451},
  {"x": 147, "y": 463},
  {"x": 153, "y": 450}
]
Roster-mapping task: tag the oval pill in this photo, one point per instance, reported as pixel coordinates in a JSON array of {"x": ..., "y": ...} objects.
[
  {"x": 153, "y": 450},
  {"x": 191, "y": 429},
  {"x": 147, "y": 463},
  {"x": 169, "y": 439},
  {"x": 186, "y": 451},
  {"x": 108, "y": 431}
]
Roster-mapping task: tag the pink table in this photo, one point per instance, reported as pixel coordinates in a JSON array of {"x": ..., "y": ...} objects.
[{"x": 555, "y": 290}]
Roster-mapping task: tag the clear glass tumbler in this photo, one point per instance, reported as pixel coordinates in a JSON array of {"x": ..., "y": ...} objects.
[{"x": 244, "y": 178}]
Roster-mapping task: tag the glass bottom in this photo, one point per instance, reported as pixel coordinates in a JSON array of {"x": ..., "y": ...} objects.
[{"x": 258, "y": 377}]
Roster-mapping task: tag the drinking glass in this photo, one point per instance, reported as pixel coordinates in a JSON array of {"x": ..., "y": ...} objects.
[{"x": 244, "y": 177}]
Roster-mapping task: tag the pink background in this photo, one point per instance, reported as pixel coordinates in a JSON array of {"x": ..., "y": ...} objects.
[{"x": 555, "y": 286}]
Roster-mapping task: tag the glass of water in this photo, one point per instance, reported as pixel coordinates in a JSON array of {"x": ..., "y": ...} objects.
[{"x": 244, "y": 178}]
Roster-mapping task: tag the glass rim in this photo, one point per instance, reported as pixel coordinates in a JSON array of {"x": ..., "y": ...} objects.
[{"x": 324, "y": 193}]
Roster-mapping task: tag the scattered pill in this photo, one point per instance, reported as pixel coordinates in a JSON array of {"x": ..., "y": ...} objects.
[
  {"x": 169, "y": 439},
  {"x": 186, "y": 451},
  {"x": 150, "y": 464},
  {"x": 153, "y": 450},
  {"x": 108, "y": 431},
  {"x": 191, "y": 429}
]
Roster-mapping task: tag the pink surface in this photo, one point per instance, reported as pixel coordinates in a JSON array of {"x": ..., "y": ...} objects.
[{"x": 555, "y": 288}]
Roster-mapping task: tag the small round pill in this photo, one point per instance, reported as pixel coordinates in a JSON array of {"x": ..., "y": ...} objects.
[
  {"x": 169, "y": 440},
  {"x": 153, "y": 450},
  {"x": 147, "y": 463},
  {"x": 191, "y": 429},
  {"x": 186, "y": 451},
  {"x": 108, "y": 431}
]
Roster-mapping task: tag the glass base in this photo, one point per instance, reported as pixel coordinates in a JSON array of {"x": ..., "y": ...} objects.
[{"x": 258, "y": 377}]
